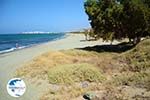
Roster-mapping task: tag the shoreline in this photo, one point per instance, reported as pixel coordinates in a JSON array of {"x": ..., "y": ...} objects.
[
  {"x": 13, "y": 49},
  {"x": 11, "y": 61}
]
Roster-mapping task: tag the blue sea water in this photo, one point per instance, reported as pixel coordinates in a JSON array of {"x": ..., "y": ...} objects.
[{"x": 11, "y": 42}]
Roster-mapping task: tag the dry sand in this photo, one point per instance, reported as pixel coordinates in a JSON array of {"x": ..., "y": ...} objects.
[{"x": 9, "y": 62}]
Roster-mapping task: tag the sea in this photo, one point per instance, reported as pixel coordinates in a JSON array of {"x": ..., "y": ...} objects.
[{"x": 12, "y": 42}]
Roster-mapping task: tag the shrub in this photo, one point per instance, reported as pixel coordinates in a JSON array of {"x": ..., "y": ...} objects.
[{"x": 74, "y": 73}]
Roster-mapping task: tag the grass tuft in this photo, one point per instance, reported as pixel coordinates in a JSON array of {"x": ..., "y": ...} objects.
[{"x": 72, "y": 73}]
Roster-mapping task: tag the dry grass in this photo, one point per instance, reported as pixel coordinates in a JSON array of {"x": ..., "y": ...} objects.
[
  {"x": 38, "y": 67},
  {"x": 138, "y": 58},
  {"x": 68, "y": 92},
  {"x": 137, "y": 79},
  {"x": 129, "y": 70},
  {"x": 71, "y": 73},
  {"x": 69, "y": 66},
  {"x": 137, "y": 73}
]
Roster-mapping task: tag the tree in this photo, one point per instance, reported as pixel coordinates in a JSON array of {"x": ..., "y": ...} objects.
[
  {"x": 86, "y": 34},
  {"x": 118, "y": 19},
  {"x": 105, "y": 18},
  {"x": 135, "y": 19},
  {"x": 89, "y": 34}
]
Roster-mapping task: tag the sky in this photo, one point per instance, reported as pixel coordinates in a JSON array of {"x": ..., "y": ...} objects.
[{"x": 42, "y": 15}]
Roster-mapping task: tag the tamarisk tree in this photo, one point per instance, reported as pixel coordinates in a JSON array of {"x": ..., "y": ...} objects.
[{"x": 118, "y": 19}]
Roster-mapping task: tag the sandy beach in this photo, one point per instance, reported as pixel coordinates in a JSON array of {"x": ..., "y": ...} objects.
[
  {"x": 11, "y": 61},
  {"x": 75, "y": 50}
]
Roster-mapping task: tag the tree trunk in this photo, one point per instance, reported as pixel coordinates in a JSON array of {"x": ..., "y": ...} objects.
[
  {"x": 130, "y": 41},
  {"x": 86, "y": 38},
  {"x": 136, "y": 40}
]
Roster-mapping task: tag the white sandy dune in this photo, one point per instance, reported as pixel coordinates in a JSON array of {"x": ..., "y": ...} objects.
[{"x": 9, "y": 62}]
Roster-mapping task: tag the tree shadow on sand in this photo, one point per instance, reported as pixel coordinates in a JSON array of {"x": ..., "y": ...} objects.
[{"x": 118, "y": 48}]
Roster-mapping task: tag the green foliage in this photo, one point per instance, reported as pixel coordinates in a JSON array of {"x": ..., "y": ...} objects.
[
  {"x": 74, "y": 73},
  {"x": 135, "y": 18},
  {"x": 120, "y": 18}
]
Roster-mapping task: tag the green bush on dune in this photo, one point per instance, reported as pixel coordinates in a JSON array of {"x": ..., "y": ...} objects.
[{"x": 72, "y": 73}]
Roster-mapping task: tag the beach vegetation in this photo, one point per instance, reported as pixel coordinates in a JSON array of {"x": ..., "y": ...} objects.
[
  {"x": 71, "y": 74},
  {"x": 119, "y": 19}
]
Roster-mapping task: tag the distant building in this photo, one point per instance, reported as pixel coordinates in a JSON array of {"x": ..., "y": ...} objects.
[{"x": 36, "y": 32}]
